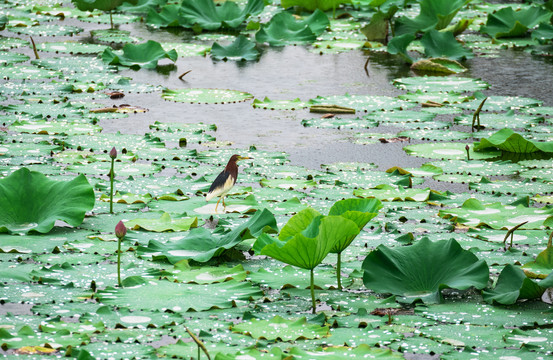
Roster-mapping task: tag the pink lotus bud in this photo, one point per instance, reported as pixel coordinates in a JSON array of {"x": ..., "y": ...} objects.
[
  {"x": 120, "y": 230},
  {"x": 113, "y": 153},
  {"x": 467, "y": 147}
]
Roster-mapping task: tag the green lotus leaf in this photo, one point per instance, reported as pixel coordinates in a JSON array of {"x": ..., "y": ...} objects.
[
  {"x": 511, "y": 286},
  {"x": 364, "y": 103},
  {"x": 298, "y": 223},
  {"x": 387, "y": 192},
  {"x": 398, "y": 46},
  {"x": 447, "y": 150},
  {"x": 478, "y": 167},
  {"x": 47, "y": 30},
  {"x": 169, "y": 16},
  {"x": 450, "y": 97},
  {"x": 164, "y": 223},
  {"x": 437, "y": 65},
  {"x": 510, "y": 141},
  {"x": 284, "y": 29},
  {"x": 267, "y": 103},
  {"x": 510, "y": 23},
  {"x": 474, "y": 213},
  {"x": 360, "y": 211},
  {"x": 312, "y": 5},
  {"x": 542, "y": 266},
  {"x": 115, "y": 36},
  {"x": 440, "y": 83},
  {"x": 26, "y": 337},
  {"x": 283, "y": 329},
  {"x": 68, "y": 47},
  {"x": 29, "y": 201},
  {"x": 434, "y": 134},
  {"x": 144, "y": 55},
  {"x": 206, "y": 96},
  {"x": 287, "y": 183},
  {"x": 502, "y": 120},
  {"x": 3, "y": 22},
  {"x": 178, "y": 297},
  {"x": 362, "y": 351},
  {"x": 104, "y": 5},
  {"x": 201, "y": 244},
  {"x": 407, "y": 271},
  {"x": 502, "y": 103},
  {"x": 543, "y": 33},
  {"x": 307, "y": 249},
  {"x": 183, "y": 272},
  {"x": 205, "y": 15},
  {"x": 443, "y": 44},
  {"x": 434, "y": 14},
  {"x": 240, "y": 49},
  {"x": 290, "y": 276}
]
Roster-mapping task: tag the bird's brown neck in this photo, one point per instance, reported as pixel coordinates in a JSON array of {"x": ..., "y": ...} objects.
[{"x": 232, "y": 168}]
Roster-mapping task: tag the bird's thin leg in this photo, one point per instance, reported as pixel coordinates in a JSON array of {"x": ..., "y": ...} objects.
[
  {"x": 217, "y": 204},
  {"x": 224, "y": 206}
]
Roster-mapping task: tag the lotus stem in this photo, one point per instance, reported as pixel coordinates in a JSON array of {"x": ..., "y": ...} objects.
[
  {"x": 34, "y": 48},
  {"x": 313, "y": 292},
  {"x": 111, "y": 18},
  {"x": 549, "y": 242},
  {"x": 476, "y": 116},
  {"x": 339, "y": 271},
  {"x": 198, "y": 342},
  {"x": 512, "y": 233},
  {"x": 113, "y": 156},
  {"x": 119, "y": 261},
  {"x": 467, "y": 148}
]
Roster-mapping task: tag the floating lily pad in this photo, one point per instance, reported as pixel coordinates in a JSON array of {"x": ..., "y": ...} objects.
[
  {"x": 478, "y": 167},
  {"x": 206, "y": 96},
  {"x": 364, "y": 103},
  {"x": 448, "y": 151},
  {"x": 187, "y": 49},
  {"x": 71, "y": 47},
  {"x": 474, "y": 213},
  {"x": 397, "y": 193},
  {"x": 284, "y": 330},
  {"x": 267, "y": 103},
  {"x": 179, "y": 297},
  {"x": 115, "y": 36},
  {"x": 48, "y": 30},
  {"x": 437, "y": 83},
  {"x": 435, "y": 135},
  {"x": 164, "y": 223},
  {"x": 499, "y": 121}
]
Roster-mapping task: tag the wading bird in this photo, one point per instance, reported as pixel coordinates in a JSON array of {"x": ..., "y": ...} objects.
[{"x": 225, "y": 180}]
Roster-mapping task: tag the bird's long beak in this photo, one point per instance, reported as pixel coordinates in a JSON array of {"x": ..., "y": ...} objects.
[{"x": 244, "y": 158}]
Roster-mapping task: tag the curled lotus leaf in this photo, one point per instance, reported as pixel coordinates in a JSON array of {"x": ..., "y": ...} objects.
[
  {"x": 510, "y": 141},
  {"x": 29, "y": 201},
  {"x": 422, "y": 270}
]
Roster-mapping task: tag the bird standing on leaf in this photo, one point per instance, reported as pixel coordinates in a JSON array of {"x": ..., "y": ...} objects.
[{"x": 225, "y": 180}]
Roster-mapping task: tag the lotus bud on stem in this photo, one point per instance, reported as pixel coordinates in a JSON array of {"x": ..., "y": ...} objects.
[
  {"x": 467, "y": 148},
  {"x": 113, "y": 156},
  {"x": 120, "y": 232}
]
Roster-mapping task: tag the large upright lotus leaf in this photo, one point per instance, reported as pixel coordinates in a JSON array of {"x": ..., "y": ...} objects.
[
  {"x": 144, "y": 55},
  {"x": 434, "y": 14},
  {"x": 207, "y": 16},
  {"x": 398, "y": 46},
  {"x": 240, "y": 49},
  {"x": 474, "y": 213},
  {"x": 510, "y": 23},
  {"x": 360, "y": 211},
  {"x": 104, "y": 5},
  {"x": 510, "y": 141},
  {"x": 298, "y": 223},
  {"x": 283, "y": 28},
  {"x": 202, "y": 245},
  {"x": 542, "y": 266},
  {"x": 422, "y": 270},
  {"x": 283, "y": 329},
  {"x": 308, "y": 248},
  {"x": 178, "y": 297},
  {"x": 29, "y": 201},
  {"x": 511, "y": 286},
  {"x": 443, "y": 44}
]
